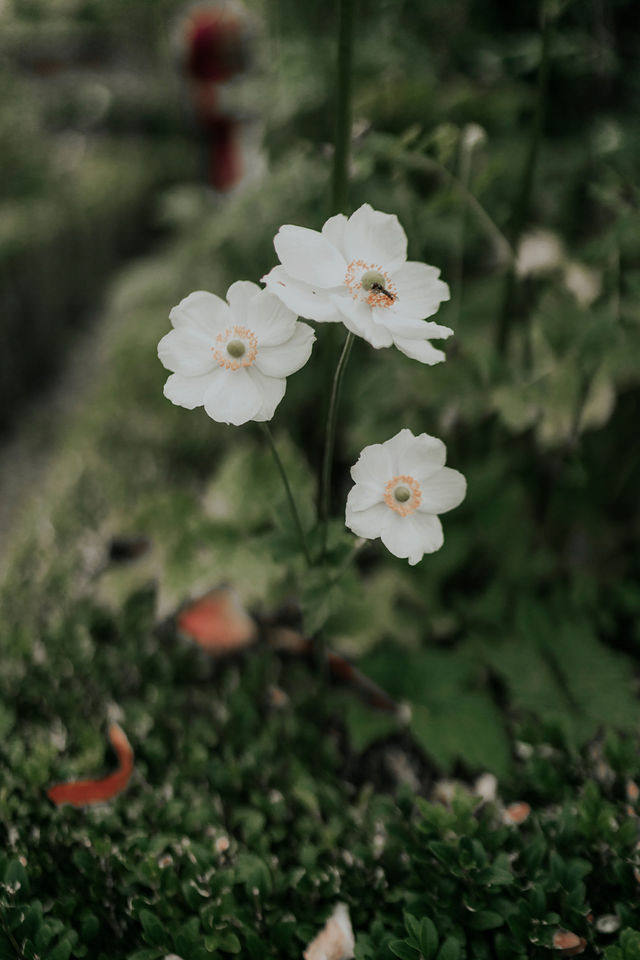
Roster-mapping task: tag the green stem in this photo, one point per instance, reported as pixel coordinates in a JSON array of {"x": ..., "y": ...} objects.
[
  {"x": 330, "y": 438},
  {"x": 457, "y": 274},
  {"x": 346, "y": 563},
  {"x": 287, "y": 487},
  {"x": 346, "y": 20},
  {"x": 523, "y": 204},
  {"x": 346, "y": 16}
]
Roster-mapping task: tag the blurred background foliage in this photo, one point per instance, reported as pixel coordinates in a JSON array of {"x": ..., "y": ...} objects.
[{"x": 525, "y": 624}]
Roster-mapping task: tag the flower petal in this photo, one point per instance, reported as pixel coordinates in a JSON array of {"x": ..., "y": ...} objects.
[
  {"x": 420, "y": 350},
  {"x": 239, "y": 295},
  {"x": 406, "y": 327},
  {"x": 334, "y": 229},
  {"x": 412, "y": 536},
  {"x": 357, "y": 318},
  {"x": 442, "y": 491},
  {"x": 309, "y": 256},
  {"x": 374, "y": 466},
  {"x": 270, "y": 319},
  {"x": 367, "y": 523},
  {"x": 365, "y": 495},
  {"x": 232, "y": 397},
  {"x": 423, "y": 457},
  {"x": 187, "y": 352},
  {"x": 305, "y": 300},
  {"x": 272, "y": 390},
  {"x": 396, "y": 448},
  {"x": 375, "y": 237},
  {"x": 202, "y": 312},
  {"x": 187, "y": 391},
  {"x": 419, "y": 291},
  {"x": 288, "y": 357}
]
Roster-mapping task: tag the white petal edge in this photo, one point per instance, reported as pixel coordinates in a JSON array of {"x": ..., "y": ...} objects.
[
  {"x": 187, "y": 391},
  {"x": 419, "y": 291},
  {"x": 373, "y": 466},
  {"x": 307, "y": 255},
  {"x": 270, "y": 319},
  {"x": 375, "y": 237},
  {"x": 421, "y": 458},
  {"x": 357, "y": 318},
  {"x": 420, "y": 350},
  {"x": 396, "y": 447},
  {"x": 334, "y": 229},
  {"x": 306, "y": 301},
  {"x": 367, "y": 523},
  {"x": 288, "y": 357},
  {"x": 443, "y": 491},
  {"x": 407, "y": 328},
  {"x": 364, "y": 495},
  {"x": 232, "y": 397},
  {"x": 272, "y": 390},
  {"x": 239, "y": 295},
  {"x": 187, "y": 352},
  {"x": 201, "y": 311},
  {"x": 411, "y": 537}
]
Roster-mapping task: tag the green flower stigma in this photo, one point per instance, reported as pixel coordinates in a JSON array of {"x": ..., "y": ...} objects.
[
  {"x": 236, "y": 349},
  {"x": 402, "y": 494},
  {"x": 371, "y": 279}
]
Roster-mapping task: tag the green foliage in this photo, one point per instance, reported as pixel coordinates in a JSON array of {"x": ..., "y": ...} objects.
[{"x": 515, "y": 646}]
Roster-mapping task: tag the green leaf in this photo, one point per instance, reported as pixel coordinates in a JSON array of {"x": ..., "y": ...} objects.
[
  {"x": 401, "y": 949},
  {"x": 153, "y": 930},
  {"x": 450, "y": 949},
  {"x": 229, "y": 942},
  {"x": 428, "y": 939},
  {"x": 486, "y": 920}
]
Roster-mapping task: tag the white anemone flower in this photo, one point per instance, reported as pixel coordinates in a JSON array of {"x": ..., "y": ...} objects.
[
  {"x": 356, "y": 272},
  {"x": 233, "y": 358},
  {"x": 400, "y": 488}
]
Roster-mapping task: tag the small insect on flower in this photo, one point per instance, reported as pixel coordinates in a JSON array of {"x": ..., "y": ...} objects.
[
  {"x": 356, "y": 272},
  {"x": 400, "y": 488},
  {"x": 233, "y": 358}
]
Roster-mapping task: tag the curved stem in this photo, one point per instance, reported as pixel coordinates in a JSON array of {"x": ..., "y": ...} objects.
[
  {"x": 287, "y": 487},
  {"x": 330, "y": 438},
  {"x": 343, "y": 105}
]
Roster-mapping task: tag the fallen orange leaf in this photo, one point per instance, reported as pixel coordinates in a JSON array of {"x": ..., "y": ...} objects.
[
  {"x": 517, "y": 813},
  {"x": 82, "y": 792},
  {"x": 568, "y": 943},
  {"x": 218, "y": 622}
]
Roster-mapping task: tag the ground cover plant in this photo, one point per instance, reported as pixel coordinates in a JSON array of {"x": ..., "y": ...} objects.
[{"x": 263, "y": 791}]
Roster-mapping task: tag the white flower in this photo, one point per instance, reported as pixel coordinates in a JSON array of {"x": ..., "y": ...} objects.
[
  {"x": 233, "y": 358},
  {"x": 356, "y": 272},
  {"x": 400, "y": 488}
]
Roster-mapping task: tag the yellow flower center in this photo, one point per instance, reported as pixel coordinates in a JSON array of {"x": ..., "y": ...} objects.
[
  {"x": 403, "y": 495},
  {"x": 236, "y": 347},
  {"x": 369, "y": 283}
]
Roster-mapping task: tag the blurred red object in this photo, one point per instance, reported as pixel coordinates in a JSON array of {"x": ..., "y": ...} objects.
[
  {"x": 79, "y": 793},
  {"x": 216, "y": 50},
  {"x": 218, "y": 622},
  {"x": 216, "y": 44}
]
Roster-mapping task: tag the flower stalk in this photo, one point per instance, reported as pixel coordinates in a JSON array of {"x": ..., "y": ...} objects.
[
  {"x": 285, "y": 482},
  {"x": 330, "y": 439},
  {"x": 346, "y": 14}
]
